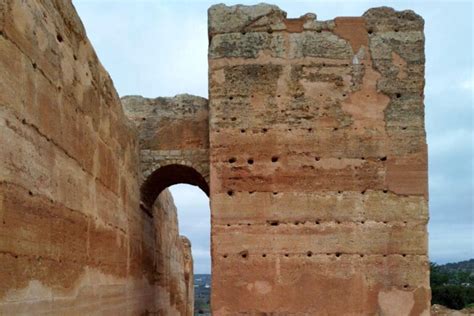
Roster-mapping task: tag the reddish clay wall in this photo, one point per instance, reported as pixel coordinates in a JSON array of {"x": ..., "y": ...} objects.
[
  {"x": 318, "y": 163},
  {"x": 316, "y": 153},
  {"x": 174, "y": 278},
  {"x": 73, "y": 239},
  {"x": 174, "y": 141}
]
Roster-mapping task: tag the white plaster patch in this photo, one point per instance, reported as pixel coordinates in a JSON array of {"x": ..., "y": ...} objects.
[
  {"x": 34, "y": 291},
  {"x": 263, "y": 287},
  {"x": 395, "y": 302},
  {"x": 219, "y": 76},
  {"x": 335, "y": 163},
  {"x": 44, "y": 299}
]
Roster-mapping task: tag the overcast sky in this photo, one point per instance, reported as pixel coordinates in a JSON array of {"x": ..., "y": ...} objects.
[{"x": 159, "y": 48}]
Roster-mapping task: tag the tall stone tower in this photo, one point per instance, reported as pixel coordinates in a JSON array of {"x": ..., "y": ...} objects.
[
  {"x": 318, "y": 163},
  {"x": 311, "y": 147}
]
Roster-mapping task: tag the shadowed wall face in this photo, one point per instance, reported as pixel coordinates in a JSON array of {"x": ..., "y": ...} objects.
[
  {"x": 318, "y": 163},
  {"x": 174, "y": 148}
]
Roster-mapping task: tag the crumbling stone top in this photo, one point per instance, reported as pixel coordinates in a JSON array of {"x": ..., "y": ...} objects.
[
  {"x": 265, "y": 17},
  {"x": 182, "y": 104},
  {"x": 242, "y": 18}
]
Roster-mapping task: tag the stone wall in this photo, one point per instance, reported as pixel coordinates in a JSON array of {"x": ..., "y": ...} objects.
[
  {"x": 174, "y": 283},
  {"x": 188, "y": 276},
  {"x": 174, "y": 148},
  {"x": 318, "y": 163},
  {"x": 312, "y": 149},
  {"x": 174, "y": 141},
  {"x": 73, "y": 239}
]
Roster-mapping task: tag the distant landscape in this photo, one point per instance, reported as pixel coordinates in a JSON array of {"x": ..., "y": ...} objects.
[
  {"x": 452, "y": 285},
  {"x": 202, "y": 294}
]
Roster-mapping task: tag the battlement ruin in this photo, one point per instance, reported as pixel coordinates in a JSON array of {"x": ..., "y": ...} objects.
[{"x": 311, "y": 148}]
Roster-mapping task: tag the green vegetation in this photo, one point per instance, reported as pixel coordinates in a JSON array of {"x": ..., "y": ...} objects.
[
  {"x": 452, "y": 284},
  {"x": 202, "y": 294}
]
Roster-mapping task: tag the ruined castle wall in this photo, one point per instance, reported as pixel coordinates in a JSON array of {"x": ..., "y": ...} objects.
[
  {"x": 174, "y": 284},
  {"x": 172, "y": 130},
  {"x": 318, "y": 163},
  {"x": 174, "y": 141},
  {"x": 73, "y": 239},
  {"x": 188, "y": 271}
]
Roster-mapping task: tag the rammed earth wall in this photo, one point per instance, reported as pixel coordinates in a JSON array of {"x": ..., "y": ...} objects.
[
  {"x": 318, "y": 163},
  {"x": 312, "y": 149},
  {"x": 73, "y": 238}
]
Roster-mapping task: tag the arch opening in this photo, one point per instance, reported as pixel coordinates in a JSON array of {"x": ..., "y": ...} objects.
[
  {"x": 193, "y": 219},
  {"x": 167, "y": 176},
  {"x": 194, "y": 222}
]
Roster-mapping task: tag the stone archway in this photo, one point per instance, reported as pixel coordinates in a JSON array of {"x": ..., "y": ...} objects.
[
  {"x": 169, "y": 175},
  {"x": 174, "y": 149},
  {"x": 174, "y": 142}
]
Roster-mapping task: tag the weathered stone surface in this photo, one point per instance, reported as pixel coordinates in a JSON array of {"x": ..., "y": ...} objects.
[
  {"x": 174, "y": 284},
  {"x": 242, "y": 18},
  {"x": 188, "y": 275},
  {"x": 73, "y": 239},
  {"x": 318, "y": 163},
  {"x": 247, "y": 45},
  {"x": 319, "y": 44},
  {"x": 312, "y": 149},
  {"x": 174, "y": 141}
]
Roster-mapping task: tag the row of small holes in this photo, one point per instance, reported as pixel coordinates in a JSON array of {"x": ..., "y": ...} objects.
[
  {"x": 384, "y": 158},
  {"x": 370, "y": 31},
  {"x": 398, "y": 95},
  {"x": 269, "y": 31},
  {"x": 250, "y": 160},
  {"x": 275, "y": 159},
  {"x": 308, "y": 254},
  {"x": 264, "y": 130},
  {"x": 317, "y": 222},
  {"x": 231, "y": 192}
]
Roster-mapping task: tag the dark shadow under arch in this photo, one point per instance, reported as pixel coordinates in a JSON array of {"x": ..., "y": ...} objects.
[{"x": 167, "y": 176}]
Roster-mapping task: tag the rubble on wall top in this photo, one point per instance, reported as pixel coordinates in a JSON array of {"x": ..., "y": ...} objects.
[
  {"x": 186, "y": 104},
  {"x": 266, "y": 17}
]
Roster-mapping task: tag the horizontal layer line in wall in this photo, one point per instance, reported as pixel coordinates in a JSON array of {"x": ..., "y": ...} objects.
[{"x": 327, "y": 222}]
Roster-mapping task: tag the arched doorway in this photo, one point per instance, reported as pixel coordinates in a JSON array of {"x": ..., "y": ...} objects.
[
  {"x": 167, "y": 176},
  {"x": 189, "y": 190},
  {"x": 194, "y": 220}
]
